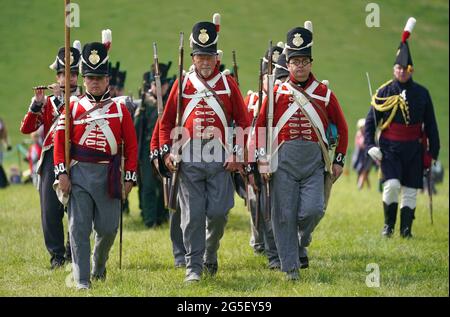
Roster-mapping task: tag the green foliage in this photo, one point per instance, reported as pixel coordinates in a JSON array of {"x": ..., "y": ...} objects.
[{"x": 344, "y": 47}]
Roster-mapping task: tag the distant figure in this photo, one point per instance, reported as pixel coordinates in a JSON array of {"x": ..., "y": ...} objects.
[
  {"x": 361, "y": 161},
  {"x": 3, "y": 142},
  {"x": 409, "y": 139}
]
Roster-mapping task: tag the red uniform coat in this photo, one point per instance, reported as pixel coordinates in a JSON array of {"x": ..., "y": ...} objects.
[
  {"x": 203, "y": 119},
  {"x": 298, "y": 126},
  {"x": 47, "y": 116}
]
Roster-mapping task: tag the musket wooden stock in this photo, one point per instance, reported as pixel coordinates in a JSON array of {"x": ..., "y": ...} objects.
[
  {"x": 159, "y": 99},
  {"x": 235, "y": 68}
]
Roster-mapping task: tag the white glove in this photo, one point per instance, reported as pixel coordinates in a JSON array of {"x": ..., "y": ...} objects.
[{"x": 375, "y": 153}]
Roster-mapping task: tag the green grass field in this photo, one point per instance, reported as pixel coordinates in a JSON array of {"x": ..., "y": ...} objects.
[
  {"x": 348, "y": 238},
  {"x": 345, "y": 242}
]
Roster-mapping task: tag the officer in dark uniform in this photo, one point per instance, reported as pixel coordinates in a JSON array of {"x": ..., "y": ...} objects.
[
  {"x": 403, "y": 111},
  {"x": 151, "y": 199}
]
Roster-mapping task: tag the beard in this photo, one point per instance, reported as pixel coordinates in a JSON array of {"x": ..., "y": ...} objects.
[{"x": 205, "y": 72}]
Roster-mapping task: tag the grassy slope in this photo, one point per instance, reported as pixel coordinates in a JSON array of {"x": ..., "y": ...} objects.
[
  {"x": 344, "y": 48},
  {"x": 345, "y": 242}
]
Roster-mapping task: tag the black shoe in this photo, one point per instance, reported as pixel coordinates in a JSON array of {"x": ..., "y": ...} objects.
[
  {"x": 293, "y": 275},
  {"x": 57, "y": 262},
  {"x": 275, "y": 266},
  {"x": 388, "y": 231},
  {"x": 210, "y": 268},
  {"x": 99, "y": 277},
  {"x": 304, "y": 262},
  {"x": 259, "y": 251},
  {"x": 151, "y": 225},
  {"x": 180, "y": 265}
]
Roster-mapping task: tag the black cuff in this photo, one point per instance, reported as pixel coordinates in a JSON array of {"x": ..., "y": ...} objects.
[
  {"x": 60, "y": 169},
  {"x": 251, "y": 168},
  {"x": 164, "y": 150},
  {"x": 339, "y": 159},
  {"x": 260, "y": 154},
  {"x": 36, "y": 107},
  {"x": 130, "y": 176},
  {"x": 238, "y": 151}
]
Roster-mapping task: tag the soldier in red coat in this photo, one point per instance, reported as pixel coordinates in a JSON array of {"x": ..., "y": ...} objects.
[
  {"x": 210, "y": 102},
  {"x": 297, "y": 194},
  {"x": 101, "y": 131},
  {"x": 44, "y": 111}
]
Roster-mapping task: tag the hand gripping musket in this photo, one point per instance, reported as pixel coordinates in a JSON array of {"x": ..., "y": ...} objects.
[
  {"x": 270, "y": 82},
  {"x": 235, "y": 68},
  {"x": 122, "y": 200},
  {"x": 159, "y": 99},
  {"x": 242, "y": 174},
  {"x": 173, "y": 193}
]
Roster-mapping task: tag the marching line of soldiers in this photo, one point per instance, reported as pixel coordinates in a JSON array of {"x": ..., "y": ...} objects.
[{"x": 281, "y": 148}]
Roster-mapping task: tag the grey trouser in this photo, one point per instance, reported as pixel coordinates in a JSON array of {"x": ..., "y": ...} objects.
[
  {"x": 90, "y": 206},
  {"x": 176, "y": 235},
  {"x": 297, "y": 199},
  {"x": 206, "y": 194}
]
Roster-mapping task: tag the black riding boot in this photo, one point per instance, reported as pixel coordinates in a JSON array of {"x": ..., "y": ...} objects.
[
  {"x": 390, "y": 216},
  {"x": 406, "y": 220}
]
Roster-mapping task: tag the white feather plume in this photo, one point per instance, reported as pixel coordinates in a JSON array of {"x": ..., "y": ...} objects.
[
  {"x": 107, "y": 38},
  {"x": 53, "y": 66},
  {"x": 308, "y": 25},
  {"x": 280, "y": 44},
  {"x": 77, "y": 44},
  {"x": 216, "y": 18},
  {"x": 410, "y": 25}
]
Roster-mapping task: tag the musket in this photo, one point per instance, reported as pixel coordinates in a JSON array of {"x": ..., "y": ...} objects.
[
  {"x": 159, "y": 100},
  {"x": 235, "y": 68},
  {"x": 270, "y": 105},
  {"x": 255, "y": 117},
  {"x": 173, "y": 192},
  {"x": 122, "y": 200},
  {"x": 373, "y": 111}
]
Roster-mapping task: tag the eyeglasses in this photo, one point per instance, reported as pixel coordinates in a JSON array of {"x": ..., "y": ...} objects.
[{"x": 298, "y": 62}]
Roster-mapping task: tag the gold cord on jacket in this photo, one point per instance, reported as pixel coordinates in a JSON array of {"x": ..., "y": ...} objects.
[{"x": 391, "y": 103}]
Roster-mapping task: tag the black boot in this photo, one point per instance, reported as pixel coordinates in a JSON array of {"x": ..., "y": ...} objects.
[
  {"x": 406, "y": 220},
  {"x": 390, "y": 215},
  {"x": 68, "y": 253}
]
